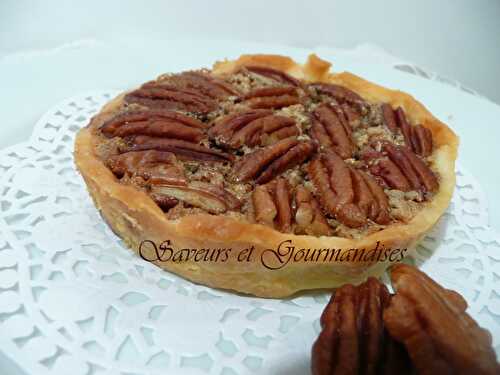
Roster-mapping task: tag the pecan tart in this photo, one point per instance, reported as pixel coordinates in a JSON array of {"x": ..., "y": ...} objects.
[{"x": 262, "y": 150}]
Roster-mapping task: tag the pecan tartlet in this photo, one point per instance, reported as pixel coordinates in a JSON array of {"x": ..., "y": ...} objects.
[
  {"x": 262, "y": 150},
  {"x": 421, "y": 329}
]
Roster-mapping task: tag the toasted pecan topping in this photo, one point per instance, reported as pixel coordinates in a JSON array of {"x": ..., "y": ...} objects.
[{"x": 307, "y": 158}]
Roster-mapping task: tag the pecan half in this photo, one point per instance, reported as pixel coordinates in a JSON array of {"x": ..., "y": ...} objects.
[
  {"x": 201, "y": 81},
  {"x": 330, "y": 131},
  {"x": 182, "y": 149},
  {"x": 391, "y": 175},
  {"x": 209, "y": 197},
  {"x": 272, "y": 97},
  {"x": 156, "y": 123},
  {"x": 418, "y": 138},
  {"x": 274, "y": 74},
  {"x": 252, "y": 128},
  {"x": 266, "y": 163},
  {"x": 405, "y": 171},
  {"x": 308, "y": 215},
  {"x": 353, "y": 339},
  {"x": 163, "y": 96},
  {"x": 421, "y": 140},
  {"x": 155, "y": 167},
  {"x": 272, "y": 204},
  {"x": 340, "y": 93},
  {"x": 432, "y": 323},
  {"x": 380, "y": 208},
  {"x": 370, "y": 197},
  {"x": 389, "y": 117},
  {"x": 332, "y": 180},
  {"x": 265, "y": 210},
  {"x": 111, "y": 126}
]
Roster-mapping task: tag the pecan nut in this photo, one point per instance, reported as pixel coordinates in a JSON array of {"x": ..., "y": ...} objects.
[
  {"x": 252, "y": 128},
  {"x": 182, "y": 149},
  {"x": 266, "y": 163},
  {"x": 155, "y": 167},
  {"x": 274, "y": 74},
  {"x": 332, "y": 131},
  {"x": 206, "y": 196},
  {"x": 166, "y": 95},
  {"x": 440, "y": 337},
  {"x": 156, "y": 123},
  {"x": 272, "y": 204},
  {"x": 340, "y": 93},
  {"x": 353, "y": 339},
  {"x": 417, "y": 137},
  {"x": 308, "y": 215},
  {"x": 201, "y": 81},
  {"x": 332, "y": 179},
  {"x": 404, "y": 170},
  {"x": 272, "y": 97}
]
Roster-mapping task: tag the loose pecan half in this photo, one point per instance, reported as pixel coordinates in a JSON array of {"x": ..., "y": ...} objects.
[
  {"x": 182, "y": 149},
  {"x": 332, "y": 180},
  {"x": 432, "y": 323},
  {"x": 418, "y": 138},
  {"x": 353, "y": 339},
  {"x": 156, "y": 123},
  {"x": 272, "y": 204},
  {"x": 330, "y": 131},
  {"x": 308, "y": 215},
  {"x": 266, "y": 163},
  {"x": 272, "y": 97},
  {"x": 209, "y": 197},
  {"x": 274, "y": 74},
  {"x": 404, "y": 170}
]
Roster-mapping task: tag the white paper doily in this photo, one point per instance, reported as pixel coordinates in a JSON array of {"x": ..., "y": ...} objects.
[{"x": 74, "y": 300}]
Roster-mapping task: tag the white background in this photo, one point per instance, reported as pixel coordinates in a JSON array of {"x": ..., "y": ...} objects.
[
  {"x": 42, "y": 45},
  {"x": 456, "y": 38}
]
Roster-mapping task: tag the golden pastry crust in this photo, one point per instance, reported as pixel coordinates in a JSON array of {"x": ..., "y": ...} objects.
[{"x": 135, "y": 217}]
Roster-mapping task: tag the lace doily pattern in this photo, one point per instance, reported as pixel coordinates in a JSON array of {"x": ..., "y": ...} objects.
[{"x": 73, "y": 297}]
